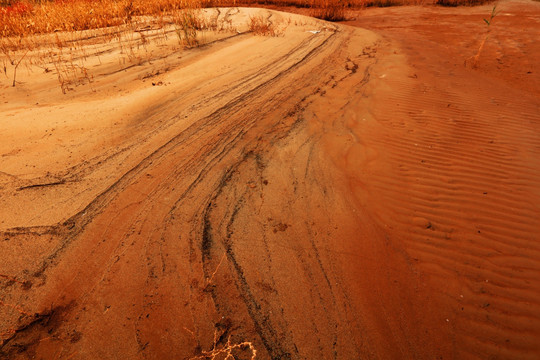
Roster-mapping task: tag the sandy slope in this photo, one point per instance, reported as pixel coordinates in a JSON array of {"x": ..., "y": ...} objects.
[
  {"x": 344, "y": 194},
  {"x": 458, "y": 180}
]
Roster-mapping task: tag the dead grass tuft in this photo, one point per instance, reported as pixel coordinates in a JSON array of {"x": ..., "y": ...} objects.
[
  {"x": 260, "y": 25},
  {"x": 56, "y": 35},
  {"x": 27, "y": 18},
  {"x": 64, "y": 28},
  {"x": 330, "y": 10},
  {"x": 187, "y": 23},
  {"x": 454, "y": 3}
]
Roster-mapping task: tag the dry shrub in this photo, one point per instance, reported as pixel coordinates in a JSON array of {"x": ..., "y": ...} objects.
[
  {"x": 187, "y": 23},
  {"x": 330, "y": 10},
  {"x": 383, "y": 3},
  {"x": 26, "y": 17},
  {"x": 22, "y": 18},
  {"x": 259, "y": 25},
  {"x": 454, "y": 3},
  {"x": 35, "y": 27}
]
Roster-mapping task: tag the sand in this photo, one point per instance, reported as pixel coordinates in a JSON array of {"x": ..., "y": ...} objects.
[{"x": 336, "y": 191}]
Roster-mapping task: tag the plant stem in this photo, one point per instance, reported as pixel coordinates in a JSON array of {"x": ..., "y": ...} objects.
[{"x": 17, "y": 65}]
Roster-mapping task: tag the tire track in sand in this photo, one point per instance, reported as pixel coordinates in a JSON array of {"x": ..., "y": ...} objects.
[{"x": 139, "y": 260}]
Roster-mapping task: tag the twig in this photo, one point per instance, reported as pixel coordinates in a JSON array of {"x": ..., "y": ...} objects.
[
  {"x": 209, "y": 281},
  {"x": 227, "y": 351},
  {"x": 16, "y": 66}
]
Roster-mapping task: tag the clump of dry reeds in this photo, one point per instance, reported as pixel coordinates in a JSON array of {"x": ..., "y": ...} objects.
[
  {"x": 54, "y": 33},
  {"x": 260, "y": 25},
  {"x": 330, "y": 10},
  {"x": 187, "y": 22},
  {"x": 23, "y": 24},
  {"x": 28, "y": 18},
  {"x": 454, "y": 3}
]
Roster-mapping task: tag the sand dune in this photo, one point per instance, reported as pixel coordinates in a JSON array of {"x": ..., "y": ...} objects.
[{"x": 332, "y": 192}]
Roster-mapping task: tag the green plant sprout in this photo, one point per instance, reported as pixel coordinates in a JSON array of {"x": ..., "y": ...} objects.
[
  {"x": 473, "y": 61},
  {"x": 493, "y": 14}
]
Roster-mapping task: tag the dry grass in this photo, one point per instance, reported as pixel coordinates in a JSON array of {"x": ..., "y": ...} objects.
[
  {"x": 56, "y": 35},
  {"x": 27, "y": 17},
  {"x": 330, "y": 10},
  {"x": 187, "y": 23},
  {"x": 52, "y": 34},
  {"x": 260, "y": 25},
  {"x": 454, "y": 3}
]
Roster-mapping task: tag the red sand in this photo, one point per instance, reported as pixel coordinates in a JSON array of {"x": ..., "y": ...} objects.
[{"x": 341, "y": 195}]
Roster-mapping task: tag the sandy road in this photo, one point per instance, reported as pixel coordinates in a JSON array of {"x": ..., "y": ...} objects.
[
  {"x": 340, "y": 194},
  {"x": 185, "y": 214}
]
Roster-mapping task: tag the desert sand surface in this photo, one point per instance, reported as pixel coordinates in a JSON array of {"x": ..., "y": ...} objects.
[{"x": 339, "y": 191}]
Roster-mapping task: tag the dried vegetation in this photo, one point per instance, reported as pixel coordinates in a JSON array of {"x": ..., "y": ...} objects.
[
  {"x": 62, "y": 35},
  {"x": 54, "y": 34},
  {"x": 454, "y": 3}
]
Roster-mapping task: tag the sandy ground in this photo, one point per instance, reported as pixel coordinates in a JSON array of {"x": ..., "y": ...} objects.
[{"x": 337, "y": 194}]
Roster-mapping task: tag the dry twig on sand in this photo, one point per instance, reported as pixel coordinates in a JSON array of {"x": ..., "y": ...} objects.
[{"x": 225, "y": 352}]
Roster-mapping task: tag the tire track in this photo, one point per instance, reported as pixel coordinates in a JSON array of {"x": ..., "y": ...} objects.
[{"x": 147, "y": 249}]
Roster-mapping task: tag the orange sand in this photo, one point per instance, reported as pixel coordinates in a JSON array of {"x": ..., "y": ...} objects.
[{"x": 340, "y": 195}]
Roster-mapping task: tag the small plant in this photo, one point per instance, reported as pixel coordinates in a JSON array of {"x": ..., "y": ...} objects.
[
  {"x": 473, "y": 61},
  {"x": 493, "y": 14}
]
